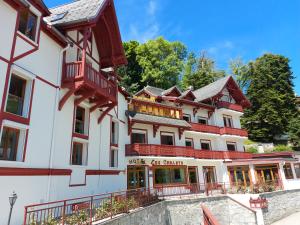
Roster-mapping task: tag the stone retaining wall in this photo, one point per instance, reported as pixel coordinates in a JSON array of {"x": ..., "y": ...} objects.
[{"x": 280, "y": 205}]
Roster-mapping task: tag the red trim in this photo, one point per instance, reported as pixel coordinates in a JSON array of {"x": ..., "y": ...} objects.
[
  {"x": 7, "y": 171},
  {"x": 3, "y": 59},
  {"x": 26, "y": 40},
  {"x": 52, "y": 34},
  {"x": 82, "y": 136},
  {"x": 15, "y": 118},
  {"x": 47, "y": 82},
  {"x": 25, "y": 145},
  {"x": 103, "y": 172}
]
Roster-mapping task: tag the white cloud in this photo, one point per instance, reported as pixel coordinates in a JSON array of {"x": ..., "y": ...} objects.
[
  {"x": 152, "y": 7},
  {"x": 219, "y": 47}
]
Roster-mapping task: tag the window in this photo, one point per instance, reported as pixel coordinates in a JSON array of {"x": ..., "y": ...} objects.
[
  {"x": 202, "y": 120},
  {"x": 138, "y": 136},
  {"x": 189, "y": 142},
  {"x": 9, "y": 144},
  {"x": 16, "y": 95},
  {"x": 170, "y": 175},
  {"x": 297, "y": 170},
  {"x": 79, "y": 154},
  {"x": 113, "y": 158},
  {"x": 231, "y": 146},
  {"x": 167, "y": 139},
  {"x": 227, "y": 121},
  {"x": 187, "y": 117},
  {"x": 239, "y": 176},
  {"x": 80, "y": 120},
  {"x": 205, "y": 144},
  {"x": 28, "y": 24},
  {"x": 114, "y": 132},
  {"x": 288, "y": 171}
]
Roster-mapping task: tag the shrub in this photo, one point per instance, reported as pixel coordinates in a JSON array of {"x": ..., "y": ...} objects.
[
  {"x": 282, "y": 148},
  {"x": 252, "y": 150}
]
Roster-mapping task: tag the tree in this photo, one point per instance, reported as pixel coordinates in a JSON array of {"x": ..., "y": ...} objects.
[
  {"x": 241, "y": 72},
  {"x": 272, "y": 97},
  {"x": 161, "y": 62},
  {"x": 132, "y": 72},
  {"x": 294, "y": 131},
  {"x": 199, "y": 72}
]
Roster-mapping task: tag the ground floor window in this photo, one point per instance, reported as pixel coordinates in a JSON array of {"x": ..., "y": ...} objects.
[
  {"x": 209, "y": 173},
  {"x": 113, "y": 158},
  {"x": 267, "y": 174},
  {"x": 288, "y": 171},
  {"x": 239, "y": 176},
  {"x": 79, "y": 154},
  {"x": 297, "y": 169},
  {"x": 136, "y": 177},
  {"x": 169, "y": 175}
]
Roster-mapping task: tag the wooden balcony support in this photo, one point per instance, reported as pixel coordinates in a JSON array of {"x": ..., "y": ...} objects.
[
  {"x": 104, "y": 113},
  {"x": 64, "y": 99},
  {"x": 84, "y": 96},
  {"x": 155, "y": 129}
]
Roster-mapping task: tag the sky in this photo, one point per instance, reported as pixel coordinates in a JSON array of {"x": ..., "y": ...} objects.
[{"x": 225, "y": 29}]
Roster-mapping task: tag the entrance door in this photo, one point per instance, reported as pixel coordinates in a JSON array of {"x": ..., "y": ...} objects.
[
  {"x": 209, "y": 174},
  {"x": 136, "y": 177},
  {"x": 193, "y": 178}
]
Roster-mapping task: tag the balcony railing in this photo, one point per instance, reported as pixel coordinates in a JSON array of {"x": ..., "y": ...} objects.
[
  {"x": 155, "y": 109},
  {"x": 181, "y": 151},
  {"x": 76, "y": 72},
  {"x": 234, "y": 131},
  {"x": 205, "y": 128},
  {"x": 229, "y": 105}
]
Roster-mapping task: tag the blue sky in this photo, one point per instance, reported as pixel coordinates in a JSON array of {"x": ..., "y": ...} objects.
[{"x": 224, "y": 29}]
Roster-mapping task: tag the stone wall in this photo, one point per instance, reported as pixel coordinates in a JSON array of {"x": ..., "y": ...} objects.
[
  {"x": 225, "y": 210},
  {"x": 188, "y": 212},
  {"x": 281, "y": 204}
]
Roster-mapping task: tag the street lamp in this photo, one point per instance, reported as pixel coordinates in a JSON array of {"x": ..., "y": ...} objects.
[{"x": 12, "y": 200}]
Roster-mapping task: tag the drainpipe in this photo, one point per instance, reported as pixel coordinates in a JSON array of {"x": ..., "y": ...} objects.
[{"x": 52, "y": 146}]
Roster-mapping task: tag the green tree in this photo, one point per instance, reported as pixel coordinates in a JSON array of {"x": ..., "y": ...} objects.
[
  {"x": 294, "y": 131},
  {"x": 132, "y": 72},
  {"x": 241, "y": 72},
  {"x": 161, "y": 62},
  {"x": 199, "y": 72},
  {"x": 272, "y": 97}
]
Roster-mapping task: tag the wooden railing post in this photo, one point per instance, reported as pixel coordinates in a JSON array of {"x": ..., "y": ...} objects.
[{"x": 64, "y": 213}]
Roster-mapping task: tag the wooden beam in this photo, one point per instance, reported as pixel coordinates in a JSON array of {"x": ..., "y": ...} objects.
[
  {"x": 104, "y": 113},
  {"x": 86, "y": 95},
  {"x": 99, "y": 105},
  {"x": 66, "y": 97}
]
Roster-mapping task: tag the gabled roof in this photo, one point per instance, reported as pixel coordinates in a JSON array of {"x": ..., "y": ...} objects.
[
  {"x": 171, "y": 90},
  {"x": 187, "y": 93},
  {"x": 153, "y": 91},
  {"x": 211, "y": 90},
  {"x": 215, "y": 88},
  {"x": 77, "y": 11}
]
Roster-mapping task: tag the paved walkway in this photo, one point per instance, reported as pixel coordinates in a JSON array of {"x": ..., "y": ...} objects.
[{"x": 293, "y": 219}]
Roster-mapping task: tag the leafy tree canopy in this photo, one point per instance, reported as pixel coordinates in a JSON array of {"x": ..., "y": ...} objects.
[
  {"x": 294, "y": 131},
  {"x": 200, "y": 71},
  {"x": 272, "y": 97},
  {"x": 241, "y": 72}
]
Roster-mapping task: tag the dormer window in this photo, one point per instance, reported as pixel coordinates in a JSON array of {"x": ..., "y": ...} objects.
[{"x": 28, "y": 24}]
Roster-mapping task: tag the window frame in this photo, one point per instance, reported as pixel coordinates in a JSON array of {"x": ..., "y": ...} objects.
[
  {"x": 232, "y": 143},
  {"x": 36, "y": 25},
  {"x": 84, "y": 153},
  {"x": 202, "y": 118},
  {"x": 86, "y": 122},
  {"x": 191, "y": 140},
  {"x": 28, "y": 95},
  {"x": 187, "y": 116},
  {"x": 205, "y": 141},
  {"x": 288, "y": 166},
  {"x": 169, "y": 168},
  {"x": 298, "y": 165},
  {"x": 139, "y": 131},
  {"x": 115, "y": 134},
  {"x": 165, "y": 133},
  {"x": 228, "y": 119},
  {"x": 116, "y": 157}
]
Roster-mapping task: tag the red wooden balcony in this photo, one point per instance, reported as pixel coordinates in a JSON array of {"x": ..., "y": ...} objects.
[
  {"x": 77, "y": 73},
  {"x": 181, "y": 151},
  {"x": 205, "y": 128},
  {"x": 234, "y": 131},
  {"x": 228, "y": 105}
]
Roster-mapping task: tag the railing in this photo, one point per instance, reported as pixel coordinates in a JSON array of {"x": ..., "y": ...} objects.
[
  {"x": 74, "y": 72},
  {"x": 208, "y": 218},
  {"x": 86, "y": 210},
  {"x": 181, "y": 151},
  {"x": 234, "y": 131},
  {"x": 155, "y": 109},
  {"x": 205, "y": 128},
  {"x": 231, "y": 106}
]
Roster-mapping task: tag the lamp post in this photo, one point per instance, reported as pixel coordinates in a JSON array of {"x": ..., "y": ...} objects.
[{"x": 12, "y": 200}]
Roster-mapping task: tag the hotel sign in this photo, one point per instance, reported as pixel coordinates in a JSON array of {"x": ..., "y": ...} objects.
[{"x": 155, "y": 162}]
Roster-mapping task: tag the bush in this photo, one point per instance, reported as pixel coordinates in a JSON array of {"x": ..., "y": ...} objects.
[
  {"x": 252, "y": 150},
  {"x": 282, "y": 148}
]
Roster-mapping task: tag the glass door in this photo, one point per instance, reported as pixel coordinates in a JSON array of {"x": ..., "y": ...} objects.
[{"x": 136, "y": 177}]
